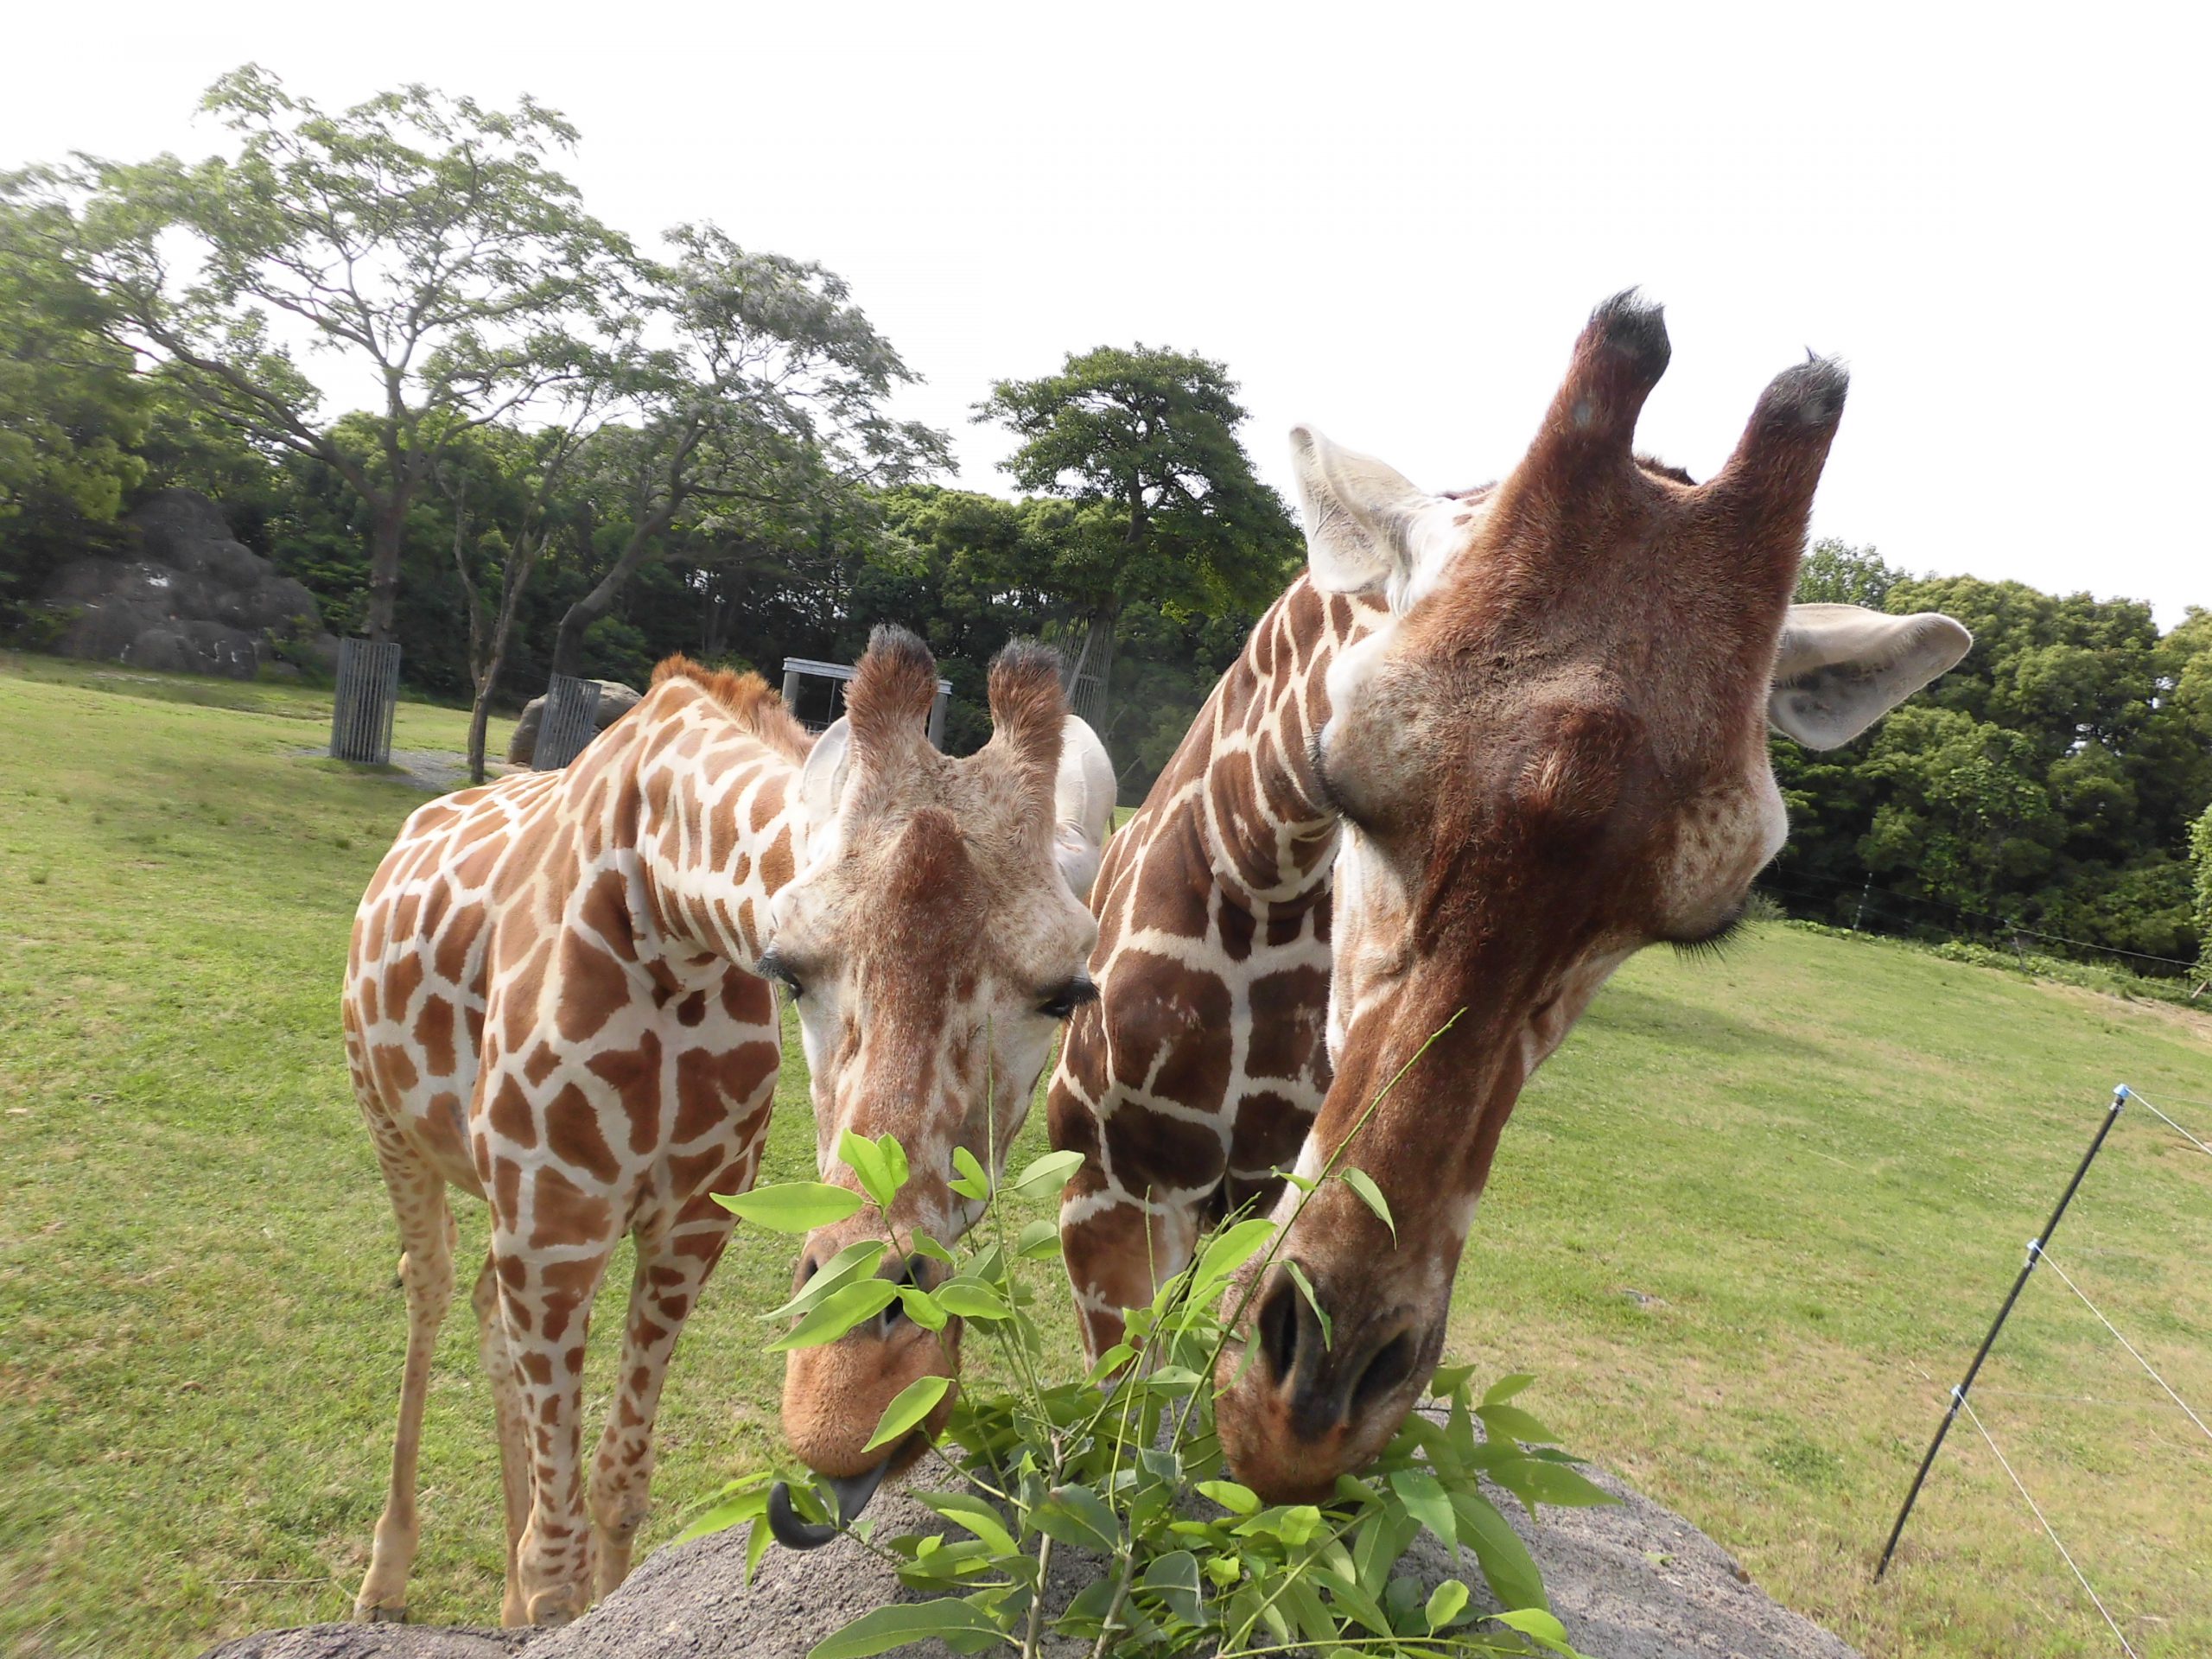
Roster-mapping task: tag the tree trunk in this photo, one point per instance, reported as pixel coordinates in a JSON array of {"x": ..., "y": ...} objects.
[
  {"x": 520, "y": 563},
  {"x": 568, "y": 643},
  {"x": 387, "y": 531}
]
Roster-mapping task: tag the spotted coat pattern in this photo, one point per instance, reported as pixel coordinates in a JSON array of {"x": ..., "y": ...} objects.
[
  {"x": 547, "y": 1006},
  {"x": 1203, "y": 1062}
]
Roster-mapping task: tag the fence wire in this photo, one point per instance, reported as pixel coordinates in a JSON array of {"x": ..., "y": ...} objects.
[
  {"x": 2119, "y": 1635},
  {"x": 2134, "y": 1352},
  {"x": 2170, "y": 1123}
]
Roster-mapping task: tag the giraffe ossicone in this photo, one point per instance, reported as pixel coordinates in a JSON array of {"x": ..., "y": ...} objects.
[
  {"x": 553, "y": 1002},
  {"x": 1488, "y": 745}
]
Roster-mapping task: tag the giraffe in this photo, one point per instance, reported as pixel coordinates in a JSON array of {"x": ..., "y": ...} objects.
[
  {"x": 555, "y": 1002},
  {"x": 1224, "y": 1013}
]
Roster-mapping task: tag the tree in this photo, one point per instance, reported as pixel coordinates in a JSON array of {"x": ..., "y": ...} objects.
[
  {"x": 1144, "y": 443},
  {"x": 420, "y": 237},
  {"x": 2200, "y": 843},
  {"x": 74, "y": 412},
  {"x": 761, "y": 412},
  {"x": 1836, "y": 573}
]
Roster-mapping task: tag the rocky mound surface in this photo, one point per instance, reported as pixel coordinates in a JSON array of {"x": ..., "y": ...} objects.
[
  {"x": 1634, "y": 1581},
  {"x": 615, "y": 700},
  {"x": 194, "y": 600}
]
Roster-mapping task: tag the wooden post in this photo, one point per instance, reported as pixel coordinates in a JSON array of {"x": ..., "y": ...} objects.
[
  {"x": 570, "y": 721},
  {"x": 367, "y": 698}
]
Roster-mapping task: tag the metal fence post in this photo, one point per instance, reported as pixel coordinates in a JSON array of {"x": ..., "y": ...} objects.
[
  {"x": 570, "y": 720},
  {"x": 368, "y": 697},
  {"x": 2119, "y": 1098}
]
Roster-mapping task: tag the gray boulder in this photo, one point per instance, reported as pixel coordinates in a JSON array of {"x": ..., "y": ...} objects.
[
  {"x": 196, "y": 600},
  {"x": 1630, "y": 1581},
  {"x": 615, "y": 700}
]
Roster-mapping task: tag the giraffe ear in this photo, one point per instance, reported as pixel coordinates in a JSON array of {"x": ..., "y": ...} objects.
[
  {"x": 822, "y": 786},
  {"x": 1839, "y": 668},
  {"x": 1082, "y": 806},
  {"x": 1358, "y": 514}
]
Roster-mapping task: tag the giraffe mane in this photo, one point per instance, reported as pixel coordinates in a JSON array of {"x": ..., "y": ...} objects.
[{"x": 749, "y": 700}]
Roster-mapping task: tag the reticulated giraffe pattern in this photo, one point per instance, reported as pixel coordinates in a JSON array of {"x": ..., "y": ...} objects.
[
  {"x": 547, "y": 1006},
  {"x": 1198, "y": 1071}
]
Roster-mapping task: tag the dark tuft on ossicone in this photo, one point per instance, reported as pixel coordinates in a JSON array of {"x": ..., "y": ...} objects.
[
  {"x": 1810, "y": 393},
  {"x": 889, "y": 697},
  {"x": 1027, "y": 702},
  {"x": 1631, "y": 324}
]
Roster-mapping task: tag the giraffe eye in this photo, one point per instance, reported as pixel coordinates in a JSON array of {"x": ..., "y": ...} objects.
[{"x": 1064, "y": 1000}]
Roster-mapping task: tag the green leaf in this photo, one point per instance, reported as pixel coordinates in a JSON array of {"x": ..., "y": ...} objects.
[
  {"x": 1508, "y": 1567},
  {"x": 1445, "y": 1603},
  {"x": 901, "y": 1622},
  {"x": 1237, "y": 1500},
  {"x": 1447, "y": 1380},
  {"x": 1305, "y": 1289},
  {"x": 1511, "y": 1423},
  {"x": 1506, "y": 1387},
  {"x": 1537, "y": 1625},
  {"x": 1040, "y": 1241},
  {"x": 756, "y": 1547},
  {"x": 1051, "y": 1170},
  {"x": 973, "y": 1181},
  {"x": 866, "y": 1160},
  {"x": 1364, "y": 1184},
  {"x": 966, "y": 1299},
  {"x": 852, "y": 1263},
  {"x": 894, "y": 1158},
  {"x": 922, "y": 1245},
  {"x": 1540, "y": 1480},
  {"x": 1078, "y": 1515},
  {"x": 838, "y": 1313},
  {"x": 1423, "y": 1497},
  {"x": 793, "y": 1206},
  {"x": 922, "y": 1308},
  {"x": 1229, "y": 1251},
  {"x": 908, "y": 1406},
  {"x": 979, "y": 1517},
  {"x": 1111, "y": 1361},
  {"x": 1174, "y": 1579},
  {"x": 746, "y": 1506}
]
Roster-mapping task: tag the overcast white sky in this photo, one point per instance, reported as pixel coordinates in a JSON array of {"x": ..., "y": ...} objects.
[{"x": 1391, "y": 222}]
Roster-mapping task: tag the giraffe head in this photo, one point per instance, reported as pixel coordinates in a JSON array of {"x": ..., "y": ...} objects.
[
  {"x": 1551, "y": 755},
  {"x": 934, "y": 940}
]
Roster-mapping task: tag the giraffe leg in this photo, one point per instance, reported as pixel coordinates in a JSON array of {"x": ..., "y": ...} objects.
[
  {"x": 546, "y": 1305},
  {"x": 672, "y": 1270},
  {"x": 514, "y": 1431},
  {"x": 426, "y": 1233}
]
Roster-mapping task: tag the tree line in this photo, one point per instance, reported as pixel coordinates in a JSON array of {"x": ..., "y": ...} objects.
[{"x": 575, "y": 453}]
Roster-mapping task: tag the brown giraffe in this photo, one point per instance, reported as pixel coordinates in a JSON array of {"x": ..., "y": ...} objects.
[
  {"x": 1209, "y": 1052},
  {"x": 550, "y": 1003}
]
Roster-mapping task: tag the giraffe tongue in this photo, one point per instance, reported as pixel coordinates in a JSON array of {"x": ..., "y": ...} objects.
[{"x": 851, "y": 1493}]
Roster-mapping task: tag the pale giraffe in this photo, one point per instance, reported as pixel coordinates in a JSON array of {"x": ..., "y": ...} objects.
[
  {"x": 551, "y": 1003},
  {"x": 1203, "y": 1064}
]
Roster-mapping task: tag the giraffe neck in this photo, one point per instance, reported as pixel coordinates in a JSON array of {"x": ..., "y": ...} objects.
[
  {"x": 719, "y": 831},
  {"x": 1270, "y": 832}
]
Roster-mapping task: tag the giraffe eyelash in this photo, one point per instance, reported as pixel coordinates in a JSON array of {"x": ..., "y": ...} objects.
[
  {"x": 1715, "y": 945},
  {"x": 771, "y": 966},
  {"x": 1063, "y": 1001}
]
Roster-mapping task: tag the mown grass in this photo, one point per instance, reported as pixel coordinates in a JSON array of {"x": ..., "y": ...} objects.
[{"x": 1747, "y": 1226}]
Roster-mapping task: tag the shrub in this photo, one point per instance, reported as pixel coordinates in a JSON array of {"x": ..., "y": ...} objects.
[{"x": 1109, "y": 1461}]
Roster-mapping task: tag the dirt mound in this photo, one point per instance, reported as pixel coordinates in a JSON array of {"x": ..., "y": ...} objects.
[
  {"x": 1634, "y": 1581},
  {"x": 196, "y": 600}
]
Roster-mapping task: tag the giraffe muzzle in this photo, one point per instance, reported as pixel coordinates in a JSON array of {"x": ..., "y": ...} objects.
[{"x": 850, "y": 1494}]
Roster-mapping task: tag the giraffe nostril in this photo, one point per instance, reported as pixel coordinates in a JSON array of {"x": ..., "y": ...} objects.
[
  {"x": 1278, "y": 1326},
  {"x": 1392, "y": 1364},
  {"x": 808, "y": 1267}
]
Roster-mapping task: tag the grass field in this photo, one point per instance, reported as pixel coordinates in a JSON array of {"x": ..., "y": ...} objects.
[{"x": 1747, "y": 1227}]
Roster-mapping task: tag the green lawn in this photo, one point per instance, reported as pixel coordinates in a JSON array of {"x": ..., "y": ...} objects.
[{"x": 1747, "y": 1227}]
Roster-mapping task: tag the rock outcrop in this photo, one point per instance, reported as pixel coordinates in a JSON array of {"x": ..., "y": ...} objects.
[
  {"x": 1630, "y": 1581},
  {"x": 615, "y": 700},
  {"x": 193, "y": 600}
]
